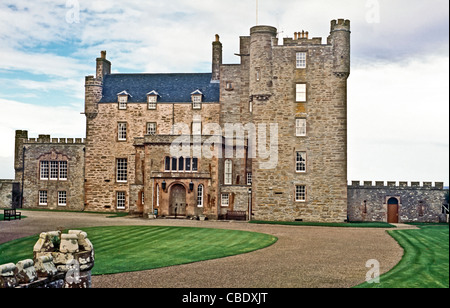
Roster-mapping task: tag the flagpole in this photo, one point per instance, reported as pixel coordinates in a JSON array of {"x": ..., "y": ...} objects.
[{"x": 256, "y": 12}]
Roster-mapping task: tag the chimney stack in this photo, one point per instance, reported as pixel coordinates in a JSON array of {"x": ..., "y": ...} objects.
[
  {"x": 103, "y": 66},
  {"x": 216, "y": 59}
]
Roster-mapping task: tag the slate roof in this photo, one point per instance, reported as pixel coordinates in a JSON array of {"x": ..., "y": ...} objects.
[{"x": 172, "y": 88}]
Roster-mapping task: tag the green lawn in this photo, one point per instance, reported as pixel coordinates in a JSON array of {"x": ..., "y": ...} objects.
[
  {"x": 425, "y": 263},
  {"x": 322, "y": 224},
  {"x": 137, "y": 248}
]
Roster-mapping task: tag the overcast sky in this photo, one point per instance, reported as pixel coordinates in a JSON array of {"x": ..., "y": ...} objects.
[{"x": 398, "y": 102}]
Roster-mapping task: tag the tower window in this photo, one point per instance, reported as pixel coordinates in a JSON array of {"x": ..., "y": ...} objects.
[
  {"x": 300, "y": 193},
  {"x": 301, "y": 93},
  {"x": 300, "y": 127},
  {"x": 300, "y": 162},
  {"x": 301, "y": 60}
]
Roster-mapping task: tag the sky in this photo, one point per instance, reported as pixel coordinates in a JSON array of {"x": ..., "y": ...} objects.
[{"x": 398, "y": 90}]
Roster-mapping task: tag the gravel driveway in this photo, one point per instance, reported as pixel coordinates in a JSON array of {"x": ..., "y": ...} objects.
[{"x": 303, "y": 257}]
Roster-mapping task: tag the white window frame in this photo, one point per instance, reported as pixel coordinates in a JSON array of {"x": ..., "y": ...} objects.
[
  {"x": 225, "y": 200},
  {"x": 152, "y": 129},
  {"x": 300, "y": 93},
  {"x": 196, "y": 128},
  {"x": 197, "y": 101},
  {"x": 301, "y": 59},
  {"x": 228, "y": 172},
  {"x": 121, "y": 200},
  {"x": 249, "y": 178},
  {"x": 200, "y": 190},
  {"x": 300, "y": 193},
  {"x": 300, "y": 127},
  {"x": 300, "y": 162},
  {"x": 122, "y": 170},
  {"x": 157, "y": 195},
  {"x": 62, "y": 198},
  {"x": 43, "y": 197},
  {"x": 123, "y": 102},
  {"x": 44, "y": 170},
  {"x": 122, "y": 131},
  {"x": 63, "y": 168},
  {"x": 152, "y": 102},
  {"x": 54, "y": 170}
]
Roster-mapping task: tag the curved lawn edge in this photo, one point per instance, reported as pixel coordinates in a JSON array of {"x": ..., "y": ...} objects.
[
  {"x": 425, "y": 262},
  {"x": 122, "y": 249}
]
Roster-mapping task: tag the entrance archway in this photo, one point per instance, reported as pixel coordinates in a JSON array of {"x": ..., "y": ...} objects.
[
  {"x": 177, "y": 202},
  {"x": 393, "y": 207}
]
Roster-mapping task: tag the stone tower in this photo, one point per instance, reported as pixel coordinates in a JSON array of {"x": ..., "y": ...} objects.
[{"x": 299, "y": 91}]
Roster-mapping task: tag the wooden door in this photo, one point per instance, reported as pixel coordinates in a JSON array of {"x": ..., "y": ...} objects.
[
  {"x": 177, "y": 205},
  {"x": 393, "y": 211}
]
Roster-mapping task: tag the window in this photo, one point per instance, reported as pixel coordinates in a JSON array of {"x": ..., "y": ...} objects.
[
  {"x": 197, "y": 98},
  {"x": 228, "y": 172},
  {"x": 44, "y": 170},
  {"x": 181, "y": 164},
  {"x": 53, "y": 170},
  {"x": 301, "y": 93},
  {"x": 157, "y": 194},
  {"x": 122, "y": 170},
  {"x": 43, "y": 197},
  {"x": 62, "y": 198},
  {"x": 195, "y": 164},
  {"x": 167, "y": 164},
  {"x": 300, "y": 127},
  {"x": 300, "y": 162},
  {"x": 152, "y": 100},
  {"x": 188, "y": 164},
  {"x": 300, "y": 193},
  {"x": 249, "y": 178},
  {"x": 151, "y": 129},
  {"x": 123, "y": 100},
  {"x": 120, "y": 200},
  {"x": 301, "y": 59},
  {"x": 122, "y": 128},
  {"x": 174, "y": 164},
  {"x": 196, "y": 128},
  {"x": 225, "y": 200},
  {"x": 63, "y": 170},
  {"x": 200, "y": 196}
]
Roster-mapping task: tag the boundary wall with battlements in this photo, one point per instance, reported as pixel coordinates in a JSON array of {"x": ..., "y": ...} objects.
[{"x": 416, "y": 202}]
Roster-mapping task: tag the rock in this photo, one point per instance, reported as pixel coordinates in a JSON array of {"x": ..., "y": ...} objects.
[
  {"x": 25, "y": 272},
  {"x": 69, "y": 243}
]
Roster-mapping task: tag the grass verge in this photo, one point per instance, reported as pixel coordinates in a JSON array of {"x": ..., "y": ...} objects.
[
  {"x": 138, "y": 248},
  {"x": 336, "y": 225},
  {"x": 425, "y": 263}
]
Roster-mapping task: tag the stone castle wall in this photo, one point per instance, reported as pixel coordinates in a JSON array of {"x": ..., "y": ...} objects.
[{"x": 417, "y": 203}]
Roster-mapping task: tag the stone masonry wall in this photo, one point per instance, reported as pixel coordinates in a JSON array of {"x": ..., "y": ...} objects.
[
  {"x": 417, "y": 203},
  {"x": 50, "y": 149}
]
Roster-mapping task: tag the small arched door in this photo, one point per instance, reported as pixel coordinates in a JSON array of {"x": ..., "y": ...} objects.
[
  {"x": 177, "y": 206},
  {"x": 393, "y": 207}
]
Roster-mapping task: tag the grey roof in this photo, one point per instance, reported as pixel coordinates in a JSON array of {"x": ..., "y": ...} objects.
[{"x": 172, "y": 88}]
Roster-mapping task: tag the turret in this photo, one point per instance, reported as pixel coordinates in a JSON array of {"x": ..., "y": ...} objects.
[
  {"x": 261, "y": 42},
  {"x": 340, "y": 39}
]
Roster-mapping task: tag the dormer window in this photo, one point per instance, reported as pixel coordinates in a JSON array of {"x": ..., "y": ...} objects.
[
  {"x": 197, "y": 99},
  {"x": 123, "y": 100},
  {"x": 152, "y": 100}
]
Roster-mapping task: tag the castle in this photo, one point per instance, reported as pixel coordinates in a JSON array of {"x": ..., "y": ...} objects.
[{"x": 265, "y": 139}]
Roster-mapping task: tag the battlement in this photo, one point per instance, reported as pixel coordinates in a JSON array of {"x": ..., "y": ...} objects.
[
  {"x": 23, "y": 135},
  {"x": 393, "y": 184},
  {"x": 340, "y": 25}
]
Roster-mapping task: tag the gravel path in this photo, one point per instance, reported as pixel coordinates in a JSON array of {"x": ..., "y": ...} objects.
[{"x": 303, "y": 257}]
